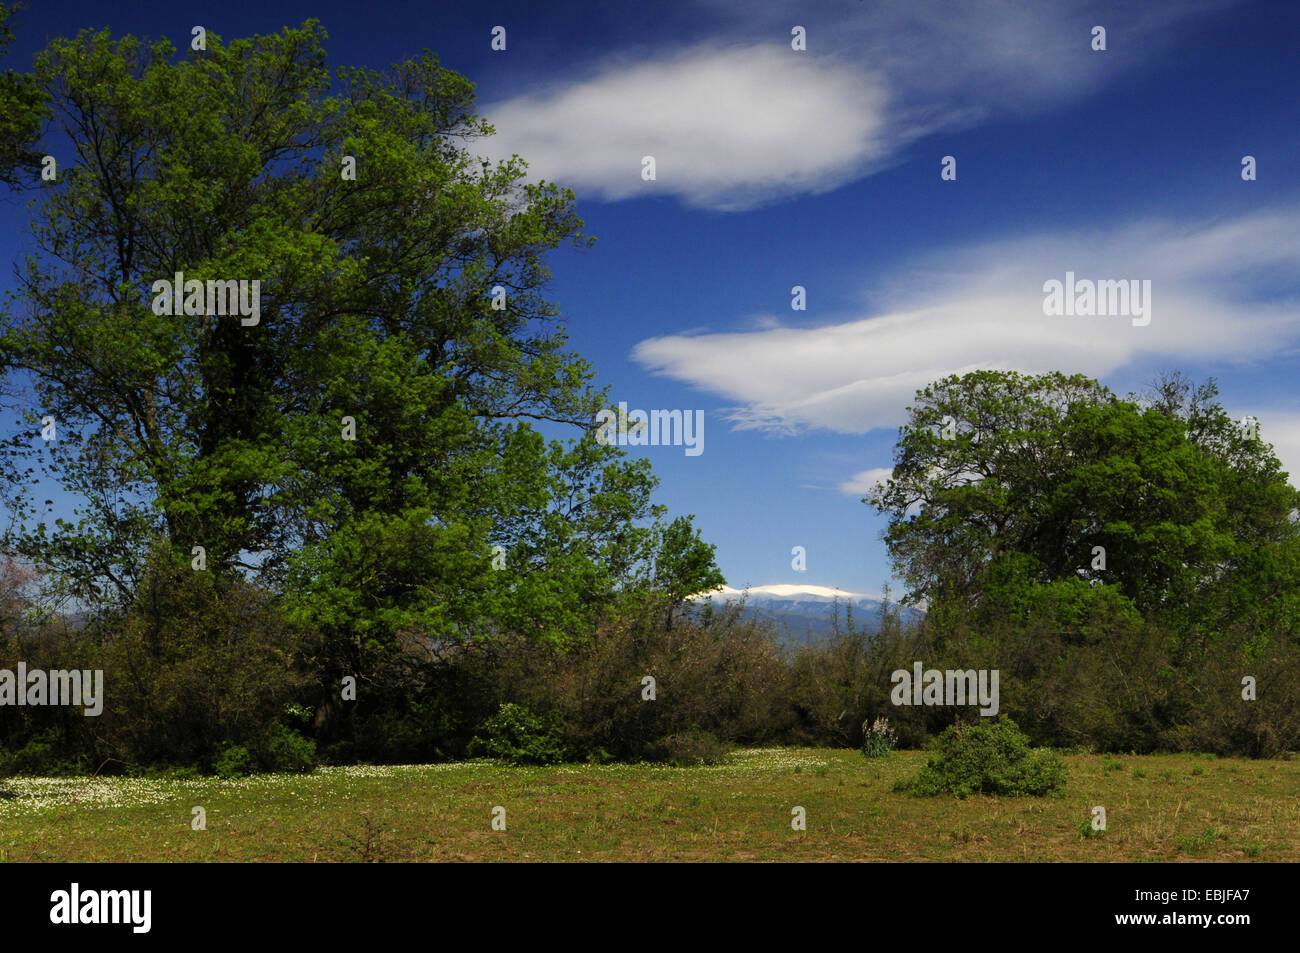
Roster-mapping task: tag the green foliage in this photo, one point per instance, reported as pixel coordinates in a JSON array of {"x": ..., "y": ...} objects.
[
  {"x": 1088, "y": 831},
  {"x": 197, "y": 663},
  {"x": 517, "y": 735},
  {"x": 24, "y": 109},
  {"x": 1141, "y": 644},
  {"x": 987, "y": 759},
  {"x": 844, "y": 680},
  {"x": 43, "y": 754},
  {"x": 279, "y": 749},
  {"x": 1202, "y": 842},
  {"x": 1193, "y": 512},
  {"x": 684, "y": 565},
  {"x": 377, "y": 305},
  {"x": 726, "y": 677},
  {"x": 235, "y": 761},
  {"x": 285, "y": 750},
  {"x": 371, "y": 557}
]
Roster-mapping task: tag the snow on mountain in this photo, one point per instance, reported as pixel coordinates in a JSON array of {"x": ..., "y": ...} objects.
[
  {"x": 798, "y": 592},
  {"x": 802, "y": 612}
]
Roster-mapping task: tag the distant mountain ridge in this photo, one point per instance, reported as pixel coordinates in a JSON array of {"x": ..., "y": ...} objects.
[{"x": 807, "y": 612}]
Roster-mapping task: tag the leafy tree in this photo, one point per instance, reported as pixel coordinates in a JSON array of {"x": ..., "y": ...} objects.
[
  {"x": 23, "y": 111},
  {"x": 969, "y": 449},
  {"x": 1004, "y": 481},
  {"x": 407, "y": 298},
  {"x": 684, "y": 566}
]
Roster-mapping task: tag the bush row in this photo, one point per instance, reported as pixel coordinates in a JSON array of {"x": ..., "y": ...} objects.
[{"x": 213, "y": 679}]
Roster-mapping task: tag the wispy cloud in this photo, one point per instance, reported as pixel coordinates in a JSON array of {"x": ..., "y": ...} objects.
[
  {"x": 866, "y": 481},
  {"x": 992, "y": 56},
  {"x": 982, "y": 307}
]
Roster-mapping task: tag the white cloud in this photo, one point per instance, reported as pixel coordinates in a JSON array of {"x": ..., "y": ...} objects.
[
  {"x": 744, "y": 120},
  {"x": 728, "y": 128},
  {"x": 982, "y": 308},
  {"x": 865, "y": 481},
  {"x": 1281, "y": 428},
  {"x": 990, "y": 56}
]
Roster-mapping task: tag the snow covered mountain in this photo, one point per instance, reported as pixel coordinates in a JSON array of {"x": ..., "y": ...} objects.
[{"x": 804, "y": 612}]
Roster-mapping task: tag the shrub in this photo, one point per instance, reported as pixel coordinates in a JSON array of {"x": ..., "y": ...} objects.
[
  {"x": 196, "y": 663},
  {"x": 987, "y": 759},
  {"x": 235, "y": 761},
  {"x": 1199, "y": 843},
  {"x": 878, "y": 739},
  {"x": 838, "y": 681},
  {"x": 725, "y": 676},
  {"x": 286, "y": 750},
  {"x": 686, "y": 748},
  {"x": 518, "y": 735},
  {"x": 41, "y": 755}
]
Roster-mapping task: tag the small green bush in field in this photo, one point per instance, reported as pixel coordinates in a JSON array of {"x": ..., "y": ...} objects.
[
  {"x": 235, "y": 761},
  {"x": 987, "y": 759},
  {"x": 1087, "y": 830},
  {"x": 286, "y": 750},
  {"x": 520, "y": 736}
]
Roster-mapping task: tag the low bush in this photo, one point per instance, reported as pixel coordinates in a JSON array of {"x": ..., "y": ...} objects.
[
  {"x": 41, "y": 755},
  {"x": 284, "y": 749},
  {"x": 518, "y": 735},
  {"x": 235, "y": 762},
  {"x": 987, "y": 759}
]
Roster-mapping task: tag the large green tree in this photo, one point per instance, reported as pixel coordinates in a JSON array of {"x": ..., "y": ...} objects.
[
  {"x": 1004, "y": 481},
  {"x": 401, "y": 303}
]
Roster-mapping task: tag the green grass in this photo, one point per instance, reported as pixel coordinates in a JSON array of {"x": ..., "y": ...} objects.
[{"x": 1233, "y": 809}]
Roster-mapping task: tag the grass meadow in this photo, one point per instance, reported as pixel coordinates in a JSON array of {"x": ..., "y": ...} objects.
[{"x": 1159, "y": 808}]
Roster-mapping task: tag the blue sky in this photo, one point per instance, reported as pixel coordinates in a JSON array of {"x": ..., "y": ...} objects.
[{"x": 821, "y": 168}]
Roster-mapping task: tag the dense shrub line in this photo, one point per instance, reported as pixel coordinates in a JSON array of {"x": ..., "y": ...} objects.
[{"x": 207, "y": 676}]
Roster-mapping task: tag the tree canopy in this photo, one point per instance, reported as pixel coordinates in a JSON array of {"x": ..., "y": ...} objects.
[
  {"x": 23, "y": 111},
  {"x": 1003, "y": 479},
  {"x": 365, "y": 447}
]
